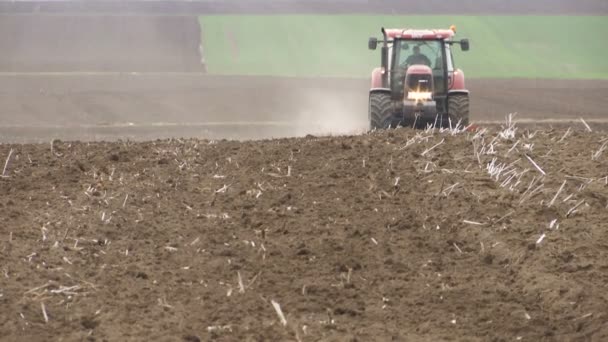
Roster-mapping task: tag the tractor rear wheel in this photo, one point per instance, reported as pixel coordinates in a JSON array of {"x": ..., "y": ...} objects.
[
  {"x": 458, "y": 109},
  {"x": 380, "y": 111}
]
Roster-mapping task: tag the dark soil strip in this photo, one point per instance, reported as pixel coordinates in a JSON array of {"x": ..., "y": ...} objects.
[{"x": 513, "y": 7}]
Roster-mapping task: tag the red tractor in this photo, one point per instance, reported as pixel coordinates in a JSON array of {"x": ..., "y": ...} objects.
[{"x": 417, "y": 82}]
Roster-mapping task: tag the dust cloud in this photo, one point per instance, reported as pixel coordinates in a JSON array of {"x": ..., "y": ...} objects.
[{"x": 323, "y": 112}]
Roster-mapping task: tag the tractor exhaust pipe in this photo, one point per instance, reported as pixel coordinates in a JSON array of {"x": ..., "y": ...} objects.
[{"x": 384, "y": 59}]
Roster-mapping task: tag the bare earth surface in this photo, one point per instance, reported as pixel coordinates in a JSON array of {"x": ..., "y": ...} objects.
[{"x": 390, "y": 236}]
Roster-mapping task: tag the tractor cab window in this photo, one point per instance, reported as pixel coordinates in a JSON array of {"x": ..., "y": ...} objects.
[
  {"x": 449, "y": 58},
  {"x": 411, "y": 52},
  {"x": 408, "y": 52}
]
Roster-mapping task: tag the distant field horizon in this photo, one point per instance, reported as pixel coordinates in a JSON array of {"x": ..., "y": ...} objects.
[{"x": 545, "y": 47}]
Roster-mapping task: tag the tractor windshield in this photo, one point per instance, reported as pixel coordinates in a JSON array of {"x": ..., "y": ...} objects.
[
  {"x": 408, "y": 52},
  {"x": 426, "y": 52}
]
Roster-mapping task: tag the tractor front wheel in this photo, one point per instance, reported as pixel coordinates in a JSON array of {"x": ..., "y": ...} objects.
[
  {"x": 380, "y": 111},
  {"x": 458, "y": 109}
]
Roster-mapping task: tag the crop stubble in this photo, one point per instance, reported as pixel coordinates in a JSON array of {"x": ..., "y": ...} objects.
[{"x": 374, "y": 237}]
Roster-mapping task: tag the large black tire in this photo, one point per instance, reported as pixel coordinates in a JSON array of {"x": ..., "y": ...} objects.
[
  {"x": 458, "y": 109},
  {"x": 380, "y": 111}
]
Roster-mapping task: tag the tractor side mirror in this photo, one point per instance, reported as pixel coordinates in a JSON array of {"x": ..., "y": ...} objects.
[
  {"x": 464, "y": 45},
  {"x": 373, "y": 43}
]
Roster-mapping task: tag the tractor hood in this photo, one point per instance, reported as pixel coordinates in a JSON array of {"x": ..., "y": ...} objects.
[{"x": 419, "y": 69}]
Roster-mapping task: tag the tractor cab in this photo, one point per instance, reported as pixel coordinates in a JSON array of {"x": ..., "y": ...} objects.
[
  {"x": 422, "y": 59},
  {"x": 417, "y": 72}
]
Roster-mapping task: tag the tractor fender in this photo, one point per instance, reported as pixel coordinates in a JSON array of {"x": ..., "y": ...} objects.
[
  {"x": 458, "y": 92},
  {"x": 379, "y": 90},
  {"x": 458, "y": 81},
  {"x": 376, "y": 78}
]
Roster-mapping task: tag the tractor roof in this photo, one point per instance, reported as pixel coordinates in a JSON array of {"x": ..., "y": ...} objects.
[{"x": 419, "y": 34}]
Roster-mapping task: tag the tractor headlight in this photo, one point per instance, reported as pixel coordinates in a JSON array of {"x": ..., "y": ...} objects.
[{"x": 419, "y": 96}]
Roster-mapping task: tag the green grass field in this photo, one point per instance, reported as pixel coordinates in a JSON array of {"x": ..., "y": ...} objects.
[{"x": 336, "y": 46}]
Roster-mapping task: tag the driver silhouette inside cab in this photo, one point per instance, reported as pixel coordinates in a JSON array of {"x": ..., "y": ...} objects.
[{"x": 418, "y": 58}]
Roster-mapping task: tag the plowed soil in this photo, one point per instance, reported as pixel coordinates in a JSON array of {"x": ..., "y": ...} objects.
[
  {"x": 147, "y": 106},
  {"x": 388, "y": 236}
]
